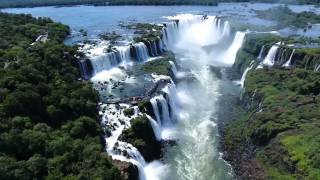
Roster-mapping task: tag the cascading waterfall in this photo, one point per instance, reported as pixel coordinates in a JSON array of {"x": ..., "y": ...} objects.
[
  {"x": 231, "y": 53},
  {"x": 105, "y": 62},
  {"x": 120, "y": 55},
  {"x": 197, "y": 41},
  {"x": 155, "y": 127},
  {"x": 141, "y": 52},
  {"x": 165, "y": 109},
  {"x": 195, "y": 120},
  {"x": 125, "y": 55},
  {"x": 269, "y": 60},
  {"x": 115, "y": 120},
  {"x": 288, "y": 63},
  {"x": 85, "y": 68},
  {"x": 154, "y": 103},
  {"x": 261, "y": 53},
  {"x": 165, "y": 116},
  {"x": 244, "y": 75},
  {"x": 173, "y": 68},
  {"x": 317, "y": 68}
]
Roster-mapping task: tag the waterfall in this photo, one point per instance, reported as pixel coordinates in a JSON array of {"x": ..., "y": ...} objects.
[
  {"x": 105, "y": 62},
  {"x": 141, "y": 52},
  {"x": 85, "y": 68},
  {"x": 171, "y": 93},
  {"x": 155, "y": 107},
  {"x": 173, "y": 68},
  {"x": 155, "y": 127},
  {"x": 154, "y": 48},
  {"x": 261, "y": 53},
  {"x": 244, "y": 75},
  {"x": 170, "y": 33},
  {"x": 125, "y": 55},
  {"x": 288, "y": 63},
  {"x": 231, "y": 53},
  {"x": 165, "y": 116},
  {"x": 269, "y": 60},
  {"x": 165, "y": 108},
  {"x": 114, "y": 120},
  {"x": 317, "y": 68},
  {"x": 226, "y": 30}
]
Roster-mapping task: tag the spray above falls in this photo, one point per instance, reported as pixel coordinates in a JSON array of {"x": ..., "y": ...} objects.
[{"x": 209, "y": 35}]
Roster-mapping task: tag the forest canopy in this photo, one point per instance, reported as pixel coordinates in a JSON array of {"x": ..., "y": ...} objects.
[{"x": 49, "y": 126}]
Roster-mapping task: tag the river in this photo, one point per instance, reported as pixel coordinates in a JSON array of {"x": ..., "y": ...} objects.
[{"x": 199, "y": 44}]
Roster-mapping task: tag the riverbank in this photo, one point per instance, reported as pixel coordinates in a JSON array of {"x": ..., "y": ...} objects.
[{"x": 276, "y": 134}]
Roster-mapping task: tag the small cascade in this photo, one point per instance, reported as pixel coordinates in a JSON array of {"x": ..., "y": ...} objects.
[
  {"x": 155, "y": 127},
  {"x": 140, "y": 52},
  {"x": 170, "y": 33},
  {"x": 226, "y": 30},
  {"x": 165, "y": 115},
  {"x": 154, "y": 48},
  {"x": 288, "y": 63},
  {"x": 156, "y": 111},
  {"x": 106, "y": 61},
  {"x": 173, "y": 68},
  {"x": 244, "y": 75},
  {"x": 280, "y": 58},
  {"x": 85, "y": 68},
  {"x": 261, "y": 53},
  {"x": 125, "y": 55},
  {"x": 317, "y": 68},
  {"x": 165, "y": 108},
  {"x": 171, "y": 94},
  {"x": 161, "y": 46},
  {"x": 269, "y": 60},
  {"x": 114, "y": 120},
  {"x": 231, "y": 53}
]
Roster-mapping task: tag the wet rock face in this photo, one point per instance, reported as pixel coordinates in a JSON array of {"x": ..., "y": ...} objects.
[
  {"x": 141, "y": 136},
  {"x": 128, "y": 171},
  {"x": 146, "y": 107},
  {"x": 216, "y": 71}
]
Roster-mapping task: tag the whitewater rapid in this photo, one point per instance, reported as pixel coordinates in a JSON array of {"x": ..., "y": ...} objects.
[
  {"x": 198, "y": 43},
  {"x": 185, "y": 113}
]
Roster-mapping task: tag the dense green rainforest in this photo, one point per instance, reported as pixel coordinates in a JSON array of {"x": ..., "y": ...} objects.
[{"x": 48, "y": 117}]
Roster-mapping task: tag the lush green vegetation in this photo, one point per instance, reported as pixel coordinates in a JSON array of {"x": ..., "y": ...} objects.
[
  {"x": 279, "y": 123},
  {"x": 141, "y": 136},
  {"x": 49, "y": 125},
  {"x": 285, "y": 128},
  {"x": 146, "y": 32},
  {"x": 34, "y": 3},
  {"x": 285, "y": 17},
  {"x": 160, "y": 66},
  {"x": 112, "y": 37}
]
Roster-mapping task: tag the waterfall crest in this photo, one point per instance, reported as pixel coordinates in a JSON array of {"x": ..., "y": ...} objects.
[
  {"x": 288, "y": 63},
  {"x": 269, "y": 60},
  {"x": 165, "y": 108}
]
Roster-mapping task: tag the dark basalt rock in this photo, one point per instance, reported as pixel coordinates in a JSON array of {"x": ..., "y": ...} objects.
[
  {"x": 216, "y": 71},
  {"x": 128, "y": 171}
]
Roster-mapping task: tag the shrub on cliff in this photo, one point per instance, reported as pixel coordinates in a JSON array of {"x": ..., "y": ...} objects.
[{"x": 141, "y": 136}]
